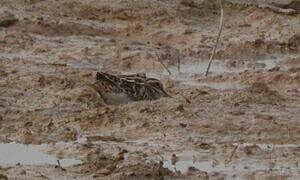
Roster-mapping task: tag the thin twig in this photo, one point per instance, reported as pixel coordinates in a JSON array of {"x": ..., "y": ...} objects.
[
  {"x": 58, "y": 162},
  {"x": 164, "y": 65},
  {"x": 232, "y": 154},
  {"x": 186, "y": 99},
  {"x": 59, "y": 166},
  {"x": 178, "y": 64},
  {"x": 218, "y": 37}
]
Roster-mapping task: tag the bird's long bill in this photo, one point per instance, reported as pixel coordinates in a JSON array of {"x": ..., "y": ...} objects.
[{"x": 165, "y": 93}]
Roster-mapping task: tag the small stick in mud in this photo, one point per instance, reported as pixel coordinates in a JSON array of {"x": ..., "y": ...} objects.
[
  {"x": 187, "y": 100},
  {"x": 232, "y": 154},
  {"x": 158, "y": 58},
  {"x": 178, "y": 64},
  {"x": 165, "y": 66},
  {"x": 58, "y": 163},
  {"x": 218, "y": 37}
]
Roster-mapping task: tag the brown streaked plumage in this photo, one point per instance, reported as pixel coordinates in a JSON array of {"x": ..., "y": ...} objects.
[{"x": 121, "y": 89}]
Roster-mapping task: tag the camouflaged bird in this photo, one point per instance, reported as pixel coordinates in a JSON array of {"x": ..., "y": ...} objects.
[{"x": 122, "y": 89}]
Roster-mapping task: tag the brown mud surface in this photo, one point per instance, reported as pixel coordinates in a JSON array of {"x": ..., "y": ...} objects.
[{"x": 240, "y": 122}]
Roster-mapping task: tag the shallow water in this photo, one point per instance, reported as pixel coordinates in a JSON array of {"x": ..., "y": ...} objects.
[
  {"x": 269, "y": 146},
  {"x": 214, "y": 85},
  {"x": 236, "y": 170},
  {"x": 14, "y": 153},
  {"x": 219, "y": 67},
  {"x": 237, "y": 167},
  {"x": 81, "y": 64}
]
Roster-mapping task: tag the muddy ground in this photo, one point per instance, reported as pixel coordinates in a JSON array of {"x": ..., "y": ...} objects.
[{"x": 240, "y": 122}]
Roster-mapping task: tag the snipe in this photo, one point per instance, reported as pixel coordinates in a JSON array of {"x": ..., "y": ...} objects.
[{"x": 122, "y": 89}]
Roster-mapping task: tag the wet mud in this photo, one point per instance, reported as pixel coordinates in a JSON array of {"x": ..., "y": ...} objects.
[{"x": 239, "y": 122}]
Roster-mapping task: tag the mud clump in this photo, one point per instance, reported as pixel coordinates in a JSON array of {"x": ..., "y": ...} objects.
[
  {"x": 7, "y": 19},
  {"x": 3, "y": 177},
  {"x": 149, "y": 170},
  {"x": 257, "y": 93},
  {"x": 287, "y": 78},
  {"x": 99, "y": 160},
  {"x": 250, "y": 150},
  {"x": 85, "y": 95},
  {"x": 259, "y": 47},
  {"x": 143, "y": 58},
  {"x": 101, "y": 165},
  {"x": 274, "y": 77},
  {"x": 294, "y": 42},
  {"x": 259, "y": 87}
]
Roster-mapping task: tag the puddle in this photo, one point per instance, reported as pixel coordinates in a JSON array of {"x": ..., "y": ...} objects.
[
  {"x": 81, "y": 64},
  {"x": 214, "y": 85},
  {"x": 240, "y": 166},
  {"x": 236, "y": 168},
  {"x": 209, "y": 167},
  {"x": 14, "y": 153},
  {"x": 147, "y": 143},
  {"x": 16, "y": 56},
  {"x": 269, "y": 146},
  {"x": 105, "y": 138},
  {"x": 265, "y": 64},
  {"x": 186, "y": 79},
  {"x": 217, "y": 67},
  {"x": 222, "y": 85}
]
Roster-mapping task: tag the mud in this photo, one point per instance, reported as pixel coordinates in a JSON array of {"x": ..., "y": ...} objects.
[{"x": 239, "y": 122}]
